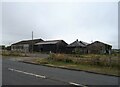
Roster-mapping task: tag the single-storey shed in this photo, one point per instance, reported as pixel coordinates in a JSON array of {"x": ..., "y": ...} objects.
[
  {"x": 77, "y": 47},
  {"x": 99, "y": 48},
  {"x": 57, "y": 46},
  {"x": 25, "y": 45}
]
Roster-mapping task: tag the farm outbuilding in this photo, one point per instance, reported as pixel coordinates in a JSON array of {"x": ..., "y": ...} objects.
[
  {"x": 2, "y": 47},
  {"x": 8, "y": 48},
  {"x": 60, "y": 46},
  {"x": 25, "y": 45},
  {"x": 57, "y": 46},
  {"x": 99, "y": 48},
  {"x": 77, "y": 47}
]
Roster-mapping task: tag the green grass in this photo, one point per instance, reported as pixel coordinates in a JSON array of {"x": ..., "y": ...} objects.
[
  {"x": 105, "y": 64},
  {"x": 103, "y": 70},
  {"x": 91, "y": 68}
]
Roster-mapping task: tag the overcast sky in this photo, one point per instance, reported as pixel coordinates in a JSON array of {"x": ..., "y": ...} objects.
[{"x": 85, "y": 21}]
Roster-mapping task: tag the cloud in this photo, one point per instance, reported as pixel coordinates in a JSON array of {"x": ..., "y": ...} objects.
[{"x": 53, "y": 20}]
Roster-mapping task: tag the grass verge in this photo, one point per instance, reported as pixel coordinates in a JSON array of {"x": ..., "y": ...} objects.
[{"x": 72, "y": 66}]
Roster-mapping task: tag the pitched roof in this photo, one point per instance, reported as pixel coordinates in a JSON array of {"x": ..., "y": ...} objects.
[
  {"x": 48, "y": 42},
  {"x": 78, "y": 44},
  {"x": 28, "y": 41},
  {"x": 85, "y": 43},
  {"x": 100, "y": 42}
]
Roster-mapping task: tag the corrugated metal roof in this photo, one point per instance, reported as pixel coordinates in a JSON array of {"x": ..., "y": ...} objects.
[
  {"x": 48, "y": 42},
  {"x": 28, "y": 41},
  {"x": 100, "y": 42},
  {"x": 85, "y": 43},
  {"x": 78, "y": 44}
]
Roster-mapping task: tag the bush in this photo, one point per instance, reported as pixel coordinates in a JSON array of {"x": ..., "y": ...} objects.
[
  {"x": 60, "y": 57},
  {"x": 51, "y": 56},
  {"x": 41, "y": 61}
]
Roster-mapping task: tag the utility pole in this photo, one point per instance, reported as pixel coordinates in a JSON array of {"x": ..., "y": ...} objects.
[{"x": 32, "y": 41}]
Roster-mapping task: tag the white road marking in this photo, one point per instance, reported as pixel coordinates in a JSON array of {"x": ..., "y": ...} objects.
[
  {"x": 41, "y": 76},
  {"x": 32, "y": 74},
  {"x": 76, "y": 84}
]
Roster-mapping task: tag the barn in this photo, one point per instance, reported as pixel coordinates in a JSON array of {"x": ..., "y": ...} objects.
[
  {"x": 98, "y": 47},
  {"x": 2, "y": 47},
  {"x": 77, "y": 47},
  {"x": 56, "y": 46},
  {"x": 25, "y": 45}
]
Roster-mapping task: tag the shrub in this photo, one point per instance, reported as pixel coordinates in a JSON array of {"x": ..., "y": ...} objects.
[
  {"x": 60, "y": 57},
  {"x": 51, "y": 56},
  {"x": 41, "y": 61}
]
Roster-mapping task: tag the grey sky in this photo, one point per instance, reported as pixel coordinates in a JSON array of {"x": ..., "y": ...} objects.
[{"x": 86, "y": 21}]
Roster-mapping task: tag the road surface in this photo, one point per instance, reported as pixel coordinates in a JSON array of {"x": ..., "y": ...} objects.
[{"x": 18, "y": 73}]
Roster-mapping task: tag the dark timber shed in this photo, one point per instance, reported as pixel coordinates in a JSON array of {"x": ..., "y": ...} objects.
[
  {"x": 57, "y": 46},
  {"x": 24, "y": 45},
  {"x": 99, "y": 48},
  {"x": 79, "y": 46}
]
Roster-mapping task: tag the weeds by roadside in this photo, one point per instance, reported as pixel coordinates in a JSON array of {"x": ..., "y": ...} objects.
[
  {"x": 11, "y": 53},
  {"x": 90, "y": 59},
  {"x": 53, "y": 62}
]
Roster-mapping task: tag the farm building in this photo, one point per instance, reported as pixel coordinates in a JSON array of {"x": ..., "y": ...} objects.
[
  {"x": 99, "y": 47},
  {"x": 2, "y": 47},
  {"x": 51, "y": 46},
  {"x": 8, "y": 48},
  {"x": 60, "y": 46},
  {"x": 25, "y": 45},
  {"x": 77, "y": 47}
]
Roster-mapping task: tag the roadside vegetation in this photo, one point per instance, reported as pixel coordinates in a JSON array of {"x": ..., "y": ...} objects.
[
  {"x": 11, "y": 53},
  {"x": 88, "y": 59},
  {"x": 105, "y": 64},
  {"x": 99, "y": 63}
]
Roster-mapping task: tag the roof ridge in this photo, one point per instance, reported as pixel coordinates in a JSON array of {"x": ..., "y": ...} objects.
[{"x": 27, "y": 41}]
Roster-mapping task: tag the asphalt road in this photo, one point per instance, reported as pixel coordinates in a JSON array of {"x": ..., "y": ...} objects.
[{"x": 18, "y": 73}]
